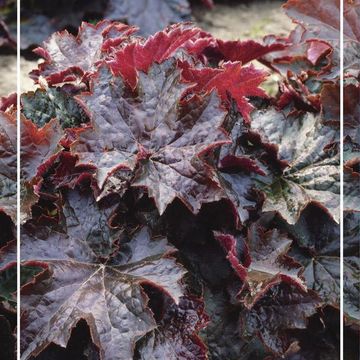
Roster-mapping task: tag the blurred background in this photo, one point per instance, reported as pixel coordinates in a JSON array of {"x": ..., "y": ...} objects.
[
  {"x": 7, "y": 46},
  {"x": 225, "y": 19}
]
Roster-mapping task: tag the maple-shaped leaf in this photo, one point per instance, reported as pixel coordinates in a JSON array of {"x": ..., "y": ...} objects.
[
  {"x": 38, "y": 145},
  {"x": 42, "y": 106},
  {"x": 176, "y": 335},
  {"x": 285, "y": 307},
  {"x": 305, "y": 147},
  {"x": 75, "y": 285},
  {"x": 231, "y": 80},
  {"x": 151, "y": 16},
  {"x": 67, "y": 58},
  {"x": 153, "y": 136},
  {"x": 8, "y": 164},
  {"x": 266, "y": 262},
  {"x": 140, "y": 55}
]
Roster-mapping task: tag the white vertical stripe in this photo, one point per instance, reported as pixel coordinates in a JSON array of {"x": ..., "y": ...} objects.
[
  {"x": 341, "y": 179},
  {"x": 18, "y": 174}
]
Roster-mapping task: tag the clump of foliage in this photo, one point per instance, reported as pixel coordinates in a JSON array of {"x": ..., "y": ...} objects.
[
  {"x": 173, "y": 209},
  {"x": 8, "y": 166}
]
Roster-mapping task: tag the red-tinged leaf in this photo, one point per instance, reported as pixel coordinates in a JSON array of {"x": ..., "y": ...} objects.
[
  {"x": 68, "y": 57},
  {"x": 153, "y": 136},
  {"x": 208, "y": 3},
  {"x": 8, "y": 256},
  {"x": 176, "y": 335},
  {"x": 8, "y": 163},
  {"x": 38, "y": 146},
  {"x": 305, "y": 146},
  {"x": 243, "y": 51},
  {"x": 265, "y": 263},
  {"x": 75, "y": 285},
  {"x": 66, "y": 174},
  {"x": 231, "y": 81},
  {"x": 321, "y": 21},
  {"x": 139, "y": 56},
  {"x": 330, "y": 101},
  {"x": 284, "y": 308},
  {"x": 323, "y": 16},
  {"x": 8, "y": 102},
  {"x": 151, "y": 16}
]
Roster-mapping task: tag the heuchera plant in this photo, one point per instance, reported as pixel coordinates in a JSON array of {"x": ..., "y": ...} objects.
[
  {"x": 8, "y": 167},
  {"x": 173, "y": 209}
]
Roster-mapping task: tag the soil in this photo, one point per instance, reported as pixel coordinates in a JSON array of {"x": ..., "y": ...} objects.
[{"x": 229, "y": 20}]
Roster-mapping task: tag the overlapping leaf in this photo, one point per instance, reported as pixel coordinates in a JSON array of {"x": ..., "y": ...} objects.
[
  {"x": 68, "y": 57},
  {"x": 152, "y": 134},
  {"x": 8, "y": 164},
  {"x": 176, "y": 337},
  {"x": 38, "y": 145},
  {"x": 306, "y": 147},
  {"x": 140, "y": 55},
  {"x": 42, "y": 106},
  {"x": 284, "y": 308},
  {"x": 232, "y": 80},
  {"x": 265, "y": 264},
  {"x": 75, "y": 284}
]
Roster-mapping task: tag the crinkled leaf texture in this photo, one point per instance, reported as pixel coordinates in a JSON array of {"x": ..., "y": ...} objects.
[
  {"x": 139, "y": 55},
  {"x": 75, "y": 285},
  {"x": 305, "y": 146},
  {"x": 8, "y": 164},
  {"x": 176, "y": 338},
  {"x": 8, "y": 213},
  {"x": 67, "y": 58},
  {"x": 284, "y": 308},
  {"x": 232, "y": 80},
  {"x": 42, "y": 106},
  {"x": 153, "y": 135},
  {"x": 265, "y": 264},
  {"x": 38, "y": 145}
]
